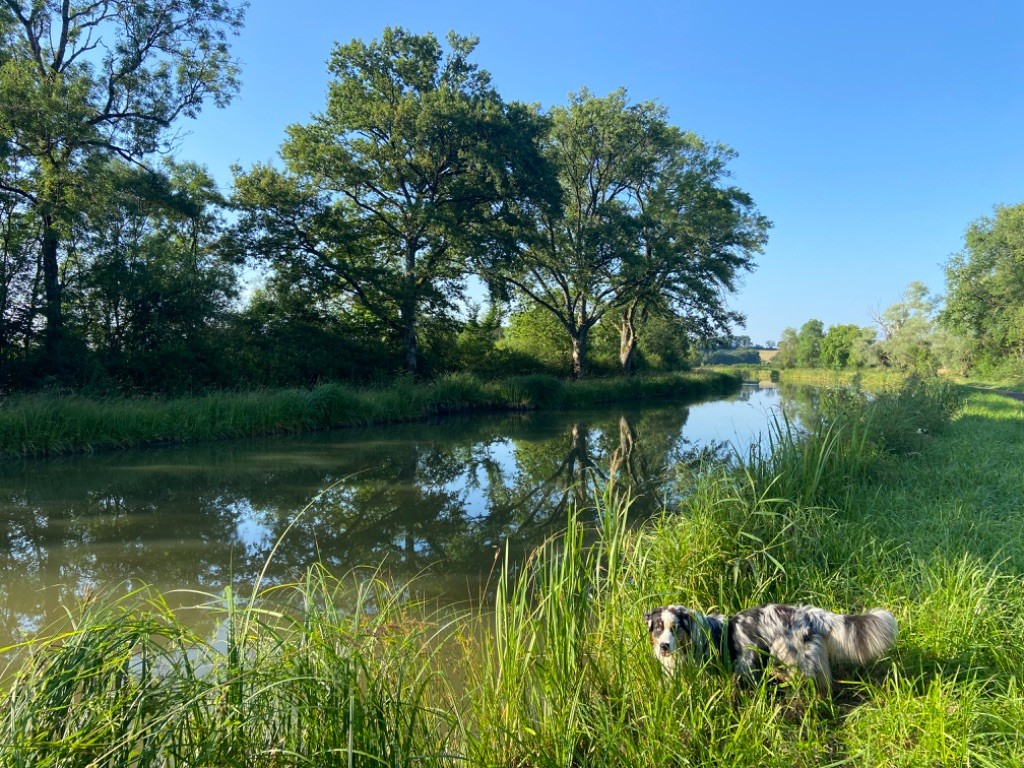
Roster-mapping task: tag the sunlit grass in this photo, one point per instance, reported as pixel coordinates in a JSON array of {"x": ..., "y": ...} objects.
[{"x": 46, "y": 425}]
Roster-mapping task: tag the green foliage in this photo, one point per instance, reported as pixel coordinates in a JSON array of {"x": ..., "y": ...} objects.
[
  {"x": 152, "y": 298},
  {"x": 984, "y": 286},
  {"x": 537, "y": 333},
  {"x": 846, "y": 346},
  {"x": 391, "y": 197},
  {"x": 785, "y": 357},
  {"x": 908, "y": 332},
  {"x": 665, "y": 344},
  {"x": 289, "y": 336},
  {"x": 647, "y": 226},
  {"x": 731, "y": 357},
  {"x": 81, "y": 83},
  {"x": 808, "y": 344}
]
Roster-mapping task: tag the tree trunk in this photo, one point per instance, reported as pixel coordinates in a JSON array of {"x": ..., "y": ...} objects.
[
  {"x": 407, "y": 311},
  {"x": 579, "y": 354},
  {"x": 52, "y": 299},
  {"x": 628, "y": 336},
  {"x": 627, "y": 343}
]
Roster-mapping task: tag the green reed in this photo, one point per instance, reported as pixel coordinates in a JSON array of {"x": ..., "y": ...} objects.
[{"x": 43, "y": 425}]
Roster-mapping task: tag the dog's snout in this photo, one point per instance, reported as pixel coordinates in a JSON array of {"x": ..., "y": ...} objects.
[{"x": 665, "y": 647}]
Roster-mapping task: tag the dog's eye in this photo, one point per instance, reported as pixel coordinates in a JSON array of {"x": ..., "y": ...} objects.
[{"x": 659, "y": 625}]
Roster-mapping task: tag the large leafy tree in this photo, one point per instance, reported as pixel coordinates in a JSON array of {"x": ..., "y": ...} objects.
[
  {"x": 646, "y": 225},
  {"x": 155, "y": 290},
  {"x": 985, "y": 286},
  {"x": 808, "y": 343},
  {"x": 412, "y": 178},
  {"x": 573, "y": 260},
  {"x": 908, "y": 331},
  {"x": 85, "y": 80},
  {"x": 697, "y": 233},
  {"x": 845, "y": 345}
]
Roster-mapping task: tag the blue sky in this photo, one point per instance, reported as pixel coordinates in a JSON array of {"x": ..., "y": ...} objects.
[{"x": 870, "y": 133}]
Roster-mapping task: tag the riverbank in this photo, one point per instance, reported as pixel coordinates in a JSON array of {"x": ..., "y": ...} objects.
[
  {"x": 47, "y": 425},
  {"x": 883, "y": 504},
  {"x": 872, "y": 378}
]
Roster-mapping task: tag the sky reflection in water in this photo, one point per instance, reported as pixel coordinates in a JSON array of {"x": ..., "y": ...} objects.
[{"x": 438, "y": 499}]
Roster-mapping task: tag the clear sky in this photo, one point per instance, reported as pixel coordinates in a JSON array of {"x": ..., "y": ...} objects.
[{"x": 870, "y": 133}]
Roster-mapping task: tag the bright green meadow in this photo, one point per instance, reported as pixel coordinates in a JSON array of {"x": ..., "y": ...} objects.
[{"x": 908, "y": 499}]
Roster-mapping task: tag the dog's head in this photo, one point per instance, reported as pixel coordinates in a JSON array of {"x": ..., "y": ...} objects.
[{"x": 676, "y": 633}]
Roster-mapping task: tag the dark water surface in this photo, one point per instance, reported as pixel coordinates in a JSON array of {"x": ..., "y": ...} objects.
[{"x": 440, "y": 498}]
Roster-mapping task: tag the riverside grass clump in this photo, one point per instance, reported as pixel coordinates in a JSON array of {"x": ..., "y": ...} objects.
[
  {"x": 46, "y": 425},
  {"x": 323, "y": 672},
  {"x": 556, "y": 669}
]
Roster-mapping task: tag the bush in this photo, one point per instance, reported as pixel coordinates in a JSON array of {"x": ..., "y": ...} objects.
[{"x": 743, "y": 356}]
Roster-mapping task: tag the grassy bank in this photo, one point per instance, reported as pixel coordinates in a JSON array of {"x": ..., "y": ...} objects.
[
  {"x": 47, "y": 425},
  {"x": 872, "y": 378},
  {"x": 882, "y": 504}
]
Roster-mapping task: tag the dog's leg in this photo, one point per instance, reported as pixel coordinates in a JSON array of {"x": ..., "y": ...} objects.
[{"x": 822, "y": 672}]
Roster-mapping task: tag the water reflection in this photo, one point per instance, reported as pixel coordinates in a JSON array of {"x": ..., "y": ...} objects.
[{"x": 441, "y": 497}]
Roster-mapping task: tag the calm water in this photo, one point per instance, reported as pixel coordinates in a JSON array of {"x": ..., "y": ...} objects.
[{"x": 440, "y": 497}]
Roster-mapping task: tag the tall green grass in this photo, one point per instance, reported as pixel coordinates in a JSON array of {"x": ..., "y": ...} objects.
[
  {"x": 44, "y": 425},
  {"x": 317, "y": 673},
  {"x": 556, "y": 670}
]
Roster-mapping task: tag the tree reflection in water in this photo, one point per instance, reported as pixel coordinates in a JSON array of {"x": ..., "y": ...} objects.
[{"x": 439, "y": 499}]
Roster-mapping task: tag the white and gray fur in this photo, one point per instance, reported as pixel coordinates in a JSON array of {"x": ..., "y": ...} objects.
[{"x": 779, "y": 639}]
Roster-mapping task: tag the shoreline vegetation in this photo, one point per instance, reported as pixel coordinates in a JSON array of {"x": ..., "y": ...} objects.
[
  {"x": 900, "y": 500},
  {"x": 48, "y": 425}
]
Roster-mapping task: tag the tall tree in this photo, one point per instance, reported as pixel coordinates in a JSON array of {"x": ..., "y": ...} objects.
[
  {"x": 985, "y": 287},
  {"x": 154, "y": 290},
  {"x": 647, "y": 225},
  {"x": 414, "y": 174},
  {"x": 573, "y": 260},
  {"x": 908, "y": 330},
  {"x": 808, "y": 344},
  {"x": 788, "y": 343},
  {"x": 84, "y": 80},
  {"x": 843, "y": 345},
  {"x": 696, "y": 235}
]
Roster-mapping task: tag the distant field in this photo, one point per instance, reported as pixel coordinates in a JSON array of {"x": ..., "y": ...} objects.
[{"x": 767, "y": 354}]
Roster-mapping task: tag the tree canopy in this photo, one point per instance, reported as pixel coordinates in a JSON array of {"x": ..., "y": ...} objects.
[
  {"x": 646, "y": 224},
  {"x": 84, "y": 81},
  {"x": 404, "y": 186},
  {"x": 985, "y": 286}
]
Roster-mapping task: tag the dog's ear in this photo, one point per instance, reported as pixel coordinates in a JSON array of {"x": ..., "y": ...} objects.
[
  {"x": 682, "y": 618},
  {"x": 650, "y": 617}
]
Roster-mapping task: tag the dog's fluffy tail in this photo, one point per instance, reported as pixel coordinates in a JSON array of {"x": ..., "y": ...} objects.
[{"x": 861, "y": 638}]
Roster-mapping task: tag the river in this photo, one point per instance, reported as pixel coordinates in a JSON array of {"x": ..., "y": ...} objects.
[{"x": 438, "y": 500}]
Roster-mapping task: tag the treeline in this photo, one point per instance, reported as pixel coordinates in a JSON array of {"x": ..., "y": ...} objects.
[
  {"x": 976, "y": 327},
  {"x": 420, "y": 224}
]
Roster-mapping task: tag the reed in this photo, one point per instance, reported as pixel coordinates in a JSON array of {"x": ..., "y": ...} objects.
[{"x": 46, "y": 425}]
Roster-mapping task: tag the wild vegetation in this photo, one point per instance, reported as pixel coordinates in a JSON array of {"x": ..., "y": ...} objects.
[
  {"x": 409, "y": 225},
  {"x": 976, "y": 328},
  {"x": 445, "y": 249},
  {"x": 47, "y": 425},
  {"x": 555, "y": 668}
]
